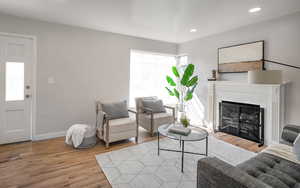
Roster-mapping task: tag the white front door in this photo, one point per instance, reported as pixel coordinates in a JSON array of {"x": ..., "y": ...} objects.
[{"x": 16, "y": 65}]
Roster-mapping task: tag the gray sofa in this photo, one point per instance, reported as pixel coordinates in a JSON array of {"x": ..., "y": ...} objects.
[{"x": 262, "y": 171}]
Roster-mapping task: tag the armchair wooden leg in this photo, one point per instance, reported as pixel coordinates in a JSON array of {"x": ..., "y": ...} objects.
[
  {"x": 137, "y": 132},
  {"x": 152, "y": 125},
  {"x": 107, "y": 135},
  {"x": 152, "y": 133}
]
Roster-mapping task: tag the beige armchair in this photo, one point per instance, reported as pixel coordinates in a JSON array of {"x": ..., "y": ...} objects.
[
  {"x": 149, "y": 120},
  {"x": 111, "y": 130}
]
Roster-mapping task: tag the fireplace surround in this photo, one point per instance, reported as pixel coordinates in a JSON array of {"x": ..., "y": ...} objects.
[
  {"x": 270, "y": 97},
  {"x": 243, "y": 120}
]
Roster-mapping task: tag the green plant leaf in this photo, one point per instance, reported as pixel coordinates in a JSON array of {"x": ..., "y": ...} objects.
[
  {"x": 171, "y": 93},
  {"x": 192, "y": 81},
  {"x": 175, "y": 71},
  {"x": 189, "y": 96},
  {"x": 188, "y": 72},
  {"x": 171, "y": 81},
  {"x": 176, "y": 93}
]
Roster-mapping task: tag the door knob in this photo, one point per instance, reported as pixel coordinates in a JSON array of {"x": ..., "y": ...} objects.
[{"x": 27, "y": 96}]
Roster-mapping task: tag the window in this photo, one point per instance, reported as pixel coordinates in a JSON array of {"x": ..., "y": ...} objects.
[
  {"x": 14, "y": 81},
  {"x": 148, "y": 76},
  {"x": 183, "y": 60}
]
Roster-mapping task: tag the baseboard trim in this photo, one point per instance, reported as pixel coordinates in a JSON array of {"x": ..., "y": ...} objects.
[{"x": 49, "y": 135}]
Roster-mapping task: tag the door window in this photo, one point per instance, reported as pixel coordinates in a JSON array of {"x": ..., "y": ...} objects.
[{"x": 14, "y": 81}]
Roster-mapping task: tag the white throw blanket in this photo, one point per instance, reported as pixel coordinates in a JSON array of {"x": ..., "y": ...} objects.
[
  {"x": 283, "y": 151},
  {"x": 75, "y": 134}
]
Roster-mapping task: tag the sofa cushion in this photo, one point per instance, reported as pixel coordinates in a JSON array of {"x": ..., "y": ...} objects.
[
  {"x": 215, "y": 173},
  {"x": 290, "y": 133},
  {"x": 272, "y": 181},
  {"x": 296, "y": 147},
  {"x": 273, "y": 170}
]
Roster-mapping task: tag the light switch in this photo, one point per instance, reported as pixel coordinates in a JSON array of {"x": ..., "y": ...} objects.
[{"x": 51, "y": 80}]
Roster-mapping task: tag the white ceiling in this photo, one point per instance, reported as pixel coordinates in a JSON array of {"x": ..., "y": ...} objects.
[{"x": 166, "y": 20}]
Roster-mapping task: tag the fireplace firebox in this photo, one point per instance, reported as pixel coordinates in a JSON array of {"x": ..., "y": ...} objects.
[{"x": 243, "y": 120}]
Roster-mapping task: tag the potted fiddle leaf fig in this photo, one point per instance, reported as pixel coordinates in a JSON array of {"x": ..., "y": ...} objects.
[{"x": 183, "y": 86}]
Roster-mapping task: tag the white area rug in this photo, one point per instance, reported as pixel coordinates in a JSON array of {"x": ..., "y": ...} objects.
[{"x": 139, "y": 166}]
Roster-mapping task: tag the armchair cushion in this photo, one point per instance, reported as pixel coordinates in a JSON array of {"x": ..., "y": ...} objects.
[
  {"x": 120, "y": 129},
  {"x": 157, "y": 116},
  {"x": 156, "y": 106},
  {"x": 139, "y": 102},
  {"x": 123, "y": 124},
  {"x": 115, "y": 110},
  {"x": 158, "y": 120}
]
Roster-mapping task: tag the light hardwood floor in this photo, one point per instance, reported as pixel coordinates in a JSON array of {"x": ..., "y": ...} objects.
[{"x": 51, "y": 163}]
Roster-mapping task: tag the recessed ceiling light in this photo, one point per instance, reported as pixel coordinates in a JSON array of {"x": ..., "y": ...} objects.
[
  {"x": 256, "y": 9},
  {"x": 193, "y": 30}
]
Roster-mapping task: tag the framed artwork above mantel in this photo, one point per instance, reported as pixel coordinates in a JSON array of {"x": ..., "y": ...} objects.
[{"x": 241, "y": 58}]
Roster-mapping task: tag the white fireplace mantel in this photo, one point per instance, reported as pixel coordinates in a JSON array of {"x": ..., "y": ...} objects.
[{"x": 268, "y": 96}]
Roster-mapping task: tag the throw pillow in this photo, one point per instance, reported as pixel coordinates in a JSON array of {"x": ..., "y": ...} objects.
[
  {"x": 156, "y": 106},
  {"x": 296, "y": 147},
  {"x": 116, "y": 110}
]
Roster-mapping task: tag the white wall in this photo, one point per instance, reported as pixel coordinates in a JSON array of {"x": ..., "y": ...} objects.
[
  {"x": 282, "y": 43},
  {"x": 85, "y": 64}
]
